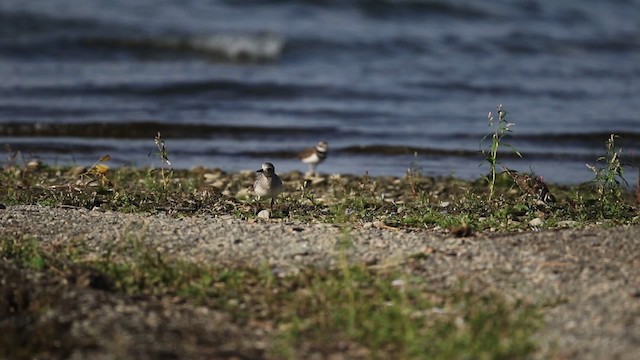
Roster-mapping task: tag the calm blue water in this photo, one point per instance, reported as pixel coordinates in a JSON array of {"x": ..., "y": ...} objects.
[{"x": 231, "y": 84}]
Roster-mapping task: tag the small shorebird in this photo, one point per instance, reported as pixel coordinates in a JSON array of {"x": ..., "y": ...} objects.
[
  {"x": 268, "y": 184},
  {"x": 314, "y": 156},
  {"x": 531, "y": 186}
]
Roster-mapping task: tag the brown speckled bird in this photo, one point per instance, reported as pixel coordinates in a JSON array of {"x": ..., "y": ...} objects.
[{"x": 532, "y": 186}]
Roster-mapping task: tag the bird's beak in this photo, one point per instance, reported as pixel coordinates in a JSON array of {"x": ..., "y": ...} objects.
[{"x": 260, "y": 170}]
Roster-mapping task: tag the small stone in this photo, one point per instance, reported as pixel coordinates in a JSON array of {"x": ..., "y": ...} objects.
[
  {"x": 367, "y": 225},
  {"x": 34, "y": 164},
  {"x": 316, "y": 180},
  {"x": 264, "y": 214},
  {"x": 209, "y": 178},
  {"x": 570, "y": 325},
  {"x": 536, "y": 222},
  {"x": 218, "y": 184}
]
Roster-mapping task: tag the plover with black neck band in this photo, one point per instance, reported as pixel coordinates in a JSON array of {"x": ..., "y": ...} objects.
[{"x": 314, "y": 156}]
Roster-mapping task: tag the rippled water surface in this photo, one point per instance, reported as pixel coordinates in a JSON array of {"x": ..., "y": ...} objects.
[{"x": 388, "y": 84}]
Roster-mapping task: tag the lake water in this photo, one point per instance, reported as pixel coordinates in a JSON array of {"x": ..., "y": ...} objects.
[{"x": 232, "y": 84}]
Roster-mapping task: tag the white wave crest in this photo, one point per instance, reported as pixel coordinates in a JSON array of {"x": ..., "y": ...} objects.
[{"x": 235, "y": 47}]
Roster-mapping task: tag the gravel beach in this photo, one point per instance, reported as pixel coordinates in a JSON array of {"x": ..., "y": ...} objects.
[{"x": 590, "y": 278}]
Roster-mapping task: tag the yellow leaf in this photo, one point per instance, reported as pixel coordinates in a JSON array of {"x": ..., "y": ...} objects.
[
  {"x": 105, "y": 158},
  {"x": 100, "y": 169}
]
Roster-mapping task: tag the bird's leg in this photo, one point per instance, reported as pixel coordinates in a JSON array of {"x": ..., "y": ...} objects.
[
  {"x": 256, "y": 204},
  {"x": 272, "y": 200}
]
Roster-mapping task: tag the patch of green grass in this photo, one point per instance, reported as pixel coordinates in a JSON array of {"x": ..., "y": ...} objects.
[
  {"x": 351, "y": 208},
  {"x": 25, "y": 251},
  {"x": 394, "y": 316},
  {"x": 351, "y": 308},
  {"x": 127, "y": 190},
  {"x": 429, "y": 217}
]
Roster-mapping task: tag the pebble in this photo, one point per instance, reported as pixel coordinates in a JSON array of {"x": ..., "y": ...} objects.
[
  {"x": 264, "y": 214},
  {"x": 318, "y": 180},
  {"x": 218, "y": 184},
  {"x": 536, "y": 222},
  {"x": 211, "y": 177},
  {"x": 379, "y": 224}
]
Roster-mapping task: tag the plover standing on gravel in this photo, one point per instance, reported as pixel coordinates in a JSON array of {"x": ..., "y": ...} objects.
[
  {"x": 268, "y": 183},
  {"x": 314, "y": 156}
]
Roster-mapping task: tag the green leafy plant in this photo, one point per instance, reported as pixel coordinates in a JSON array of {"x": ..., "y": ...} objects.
[
  {"x": 166, "y": 169},
  {"x": 501, "y": 128},
  {"x": 413, "y": 174},
  {"x": 608, "y": 173}
]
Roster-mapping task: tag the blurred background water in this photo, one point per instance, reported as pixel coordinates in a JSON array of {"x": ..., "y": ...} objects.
[{"x": 389, "y": 84}]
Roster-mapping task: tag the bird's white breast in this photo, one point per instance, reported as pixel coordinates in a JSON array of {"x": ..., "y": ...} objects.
[{"x": 311, "y": 159}]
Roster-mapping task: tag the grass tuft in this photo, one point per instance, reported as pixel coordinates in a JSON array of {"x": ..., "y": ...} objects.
[
  {"x": 501, "y": 128},
  {"x": 608, "y": 178}
]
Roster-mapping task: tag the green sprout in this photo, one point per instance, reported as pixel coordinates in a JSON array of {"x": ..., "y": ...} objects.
[{"x": 500, "y": 129}]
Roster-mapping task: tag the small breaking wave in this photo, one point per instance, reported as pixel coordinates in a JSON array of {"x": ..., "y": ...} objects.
[
  {"x": 238, "y": 47},
  {"x": 35, "y": 36}
]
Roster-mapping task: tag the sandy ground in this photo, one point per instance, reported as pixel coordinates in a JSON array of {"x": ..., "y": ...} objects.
[{"x": 588, "y": 280}]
